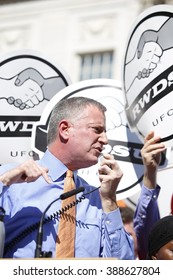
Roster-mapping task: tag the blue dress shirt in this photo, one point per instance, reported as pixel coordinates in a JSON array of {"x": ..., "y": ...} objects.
[{"x": 98, "y": 234}]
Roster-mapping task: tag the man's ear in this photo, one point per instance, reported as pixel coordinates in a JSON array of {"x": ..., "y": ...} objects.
[{"x": 64, "y": 129}]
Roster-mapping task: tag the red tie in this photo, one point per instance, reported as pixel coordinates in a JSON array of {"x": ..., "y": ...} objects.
[{"x": 67, "y": 224}]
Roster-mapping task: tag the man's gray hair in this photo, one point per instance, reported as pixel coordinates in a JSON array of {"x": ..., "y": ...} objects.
[{"x": 70, "y": 109}]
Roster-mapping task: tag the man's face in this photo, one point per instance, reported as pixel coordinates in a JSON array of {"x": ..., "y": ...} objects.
[
  {"x": 87, "y": 137},
  {"x": 165, "y": 252}
]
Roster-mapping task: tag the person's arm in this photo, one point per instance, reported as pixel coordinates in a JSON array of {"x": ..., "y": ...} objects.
[
  {"x": 28, "y": 171},
  {"x": 147, "y": 211},
  {"x": 146, "y": 214},
  {"x": 116, "y": 242}
]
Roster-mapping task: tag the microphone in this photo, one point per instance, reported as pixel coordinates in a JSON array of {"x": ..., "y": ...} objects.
[
  {"x": 71, "y": 193},
  {"x": 38, "y": 250},
  {"x": 2, "y": 231}
]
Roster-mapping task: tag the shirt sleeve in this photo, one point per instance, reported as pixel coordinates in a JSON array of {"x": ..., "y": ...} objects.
[
  {"x": 146, "y": 214},
  {"x": 117, "y": 243}
]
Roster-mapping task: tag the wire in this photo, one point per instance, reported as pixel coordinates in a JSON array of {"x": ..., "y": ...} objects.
[{"x": 35, "y": 226}]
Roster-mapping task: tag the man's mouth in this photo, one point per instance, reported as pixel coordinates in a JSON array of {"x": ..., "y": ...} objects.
[{"x": 99, "y": 149}]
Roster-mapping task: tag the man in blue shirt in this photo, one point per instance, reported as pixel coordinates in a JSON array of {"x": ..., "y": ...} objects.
[{"x": 76, "y": 137}]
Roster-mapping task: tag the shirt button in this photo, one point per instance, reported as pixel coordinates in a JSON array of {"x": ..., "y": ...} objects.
[
  {"x": 143, "y": 216},
  {"x": 108, "y": 222},
  {"x": 154, "y": 196}
]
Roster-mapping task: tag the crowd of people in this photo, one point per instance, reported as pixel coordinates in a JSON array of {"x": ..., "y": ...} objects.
[{"x": 76, "y": 138}]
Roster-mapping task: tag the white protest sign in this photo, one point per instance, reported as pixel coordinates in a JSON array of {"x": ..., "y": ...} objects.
[
  {"x": 148, "y": 74},
  {"x": 28, "y": 80}
]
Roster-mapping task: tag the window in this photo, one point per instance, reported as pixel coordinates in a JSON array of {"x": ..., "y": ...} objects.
[{"x": 96, "y": 65}]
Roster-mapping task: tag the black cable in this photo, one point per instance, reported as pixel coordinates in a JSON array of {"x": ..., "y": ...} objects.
[{"x": 35, "y": 226}]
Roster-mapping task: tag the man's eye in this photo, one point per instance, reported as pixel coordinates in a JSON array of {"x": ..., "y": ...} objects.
[{"x": 97, "y": 130}]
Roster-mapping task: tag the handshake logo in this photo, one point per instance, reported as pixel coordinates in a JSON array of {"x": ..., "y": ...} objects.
[{"x": 28, "y": 80}]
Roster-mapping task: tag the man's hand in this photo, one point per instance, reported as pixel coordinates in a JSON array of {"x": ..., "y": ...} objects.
[
  {"x": 110, "y": 175},
  {"x": 28, "y": 171},
  {"x": 151, "y": 156}
]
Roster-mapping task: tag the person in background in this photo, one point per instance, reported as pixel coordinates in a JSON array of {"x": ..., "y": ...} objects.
[
  {"x": 160, "y": 240},
  {"x": 76, "y": 137},
  {"x": 127, "y": 214},
  {"x": 147, "y": 210},
  {"x": 139, "y": 222}
]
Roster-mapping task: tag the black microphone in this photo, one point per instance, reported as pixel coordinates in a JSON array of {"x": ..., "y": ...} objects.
[
  {"x": 71, "y": 193},
  {"x": 38, "y": 250}
]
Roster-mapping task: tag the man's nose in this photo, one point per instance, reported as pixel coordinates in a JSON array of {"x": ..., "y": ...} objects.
[{"x": 103, "y": 138}]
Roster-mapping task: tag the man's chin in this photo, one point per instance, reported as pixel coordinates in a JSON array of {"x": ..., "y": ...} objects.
[
  {"x": 93, "y": 162},
  {"x": 90, "y": 162}
]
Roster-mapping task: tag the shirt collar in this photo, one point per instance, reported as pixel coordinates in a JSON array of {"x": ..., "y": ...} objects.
[{"x": 55, "y": 166}]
